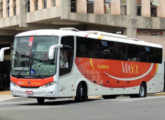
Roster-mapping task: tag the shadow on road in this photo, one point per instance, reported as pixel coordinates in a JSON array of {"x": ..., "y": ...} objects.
[{"x": 55, "y": 102}]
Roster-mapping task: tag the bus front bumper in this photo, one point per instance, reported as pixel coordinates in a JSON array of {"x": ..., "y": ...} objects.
[{"x": 47, "y": 92}]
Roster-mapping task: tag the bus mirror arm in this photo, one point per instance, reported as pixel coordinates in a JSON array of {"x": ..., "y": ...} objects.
[
  {"x": 52, "y": 50},
  {"x": 2, "y": 53}
]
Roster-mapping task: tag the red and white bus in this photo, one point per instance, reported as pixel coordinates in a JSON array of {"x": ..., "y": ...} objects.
[{"x": 48, "y": 64}]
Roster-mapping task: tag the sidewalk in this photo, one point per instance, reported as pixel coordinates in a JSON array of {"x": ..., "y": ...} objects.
[
  {"x": 158, "y": 94},
  {"x": 5, "y": 95}
]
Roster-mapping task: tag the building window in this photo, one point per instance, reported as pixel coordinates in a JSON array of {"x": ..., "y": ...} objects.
[
  {"x": 14, "y": 6},
  {"x": 107, "y": 6},
  {"x": 8, "y": 7},
  {"x": 73, "y": 5},
  {"x": 27, "y": 5},
  {"x": 154, "y": 4},
  {"x": 123, "y": 7},
  {"x": 53, "y": 2},
  {"x": 138, "y": 3},
  {"x": 36, "y": 4},
  {"x": 90, "y": 6},
  {"x": 45, "y": 3},
  {"x": 153, "y": 11}
]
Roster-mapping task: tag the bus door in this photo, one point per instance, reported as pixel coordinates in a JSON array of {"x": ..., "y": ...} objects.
[{"x": 65, "y": 66}]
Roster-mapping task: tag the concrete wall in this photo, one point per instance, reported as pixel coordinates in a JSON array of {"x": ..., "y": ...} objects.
[
  {"x": 146, "y": 4},
  {"x": 81, "y": 6},
  {"x": 161, "y": 9},
  {"x": 32, "y": 5},
  {"x": 40, "y": 4},
  {"x": 58, "y": 3},
  {"x": 115, "y": 7},
  {"x": 11, "y": 8},
  {"x": 17, "y": 7},
  {"x": 49, "y": 3},
  {"x": 4, "y": 9},
  {"x": 99, "y": 7}
]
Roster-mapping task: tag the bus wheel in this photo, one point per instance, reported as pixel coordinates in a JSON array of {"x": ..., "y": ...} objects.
[
  {"x": 40, "y": 101},
  {"x": 109, "y": 96},
  {"x": 81, "y": 93},
  {"x": 142, "y": 90}
]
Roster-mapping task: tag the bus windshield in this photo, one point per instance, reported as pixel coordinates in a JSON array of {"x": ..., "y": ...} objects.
[{"x": 30, "y": 57}]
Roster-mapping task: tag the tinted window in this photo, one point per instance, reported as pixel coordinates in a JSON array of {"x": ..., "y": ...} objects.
[
  {"x": 66, "y": 54},
  {"x": 100, "y": 49}
]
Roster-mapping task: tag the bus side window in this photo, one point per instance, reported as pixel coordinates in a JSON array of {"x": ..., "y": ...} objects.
[{"x": 66, "y": 55}]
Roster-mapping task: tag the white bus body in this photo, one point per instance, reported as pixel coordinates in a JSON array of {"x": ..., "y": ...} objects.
[{"x": 84, "y": 63}]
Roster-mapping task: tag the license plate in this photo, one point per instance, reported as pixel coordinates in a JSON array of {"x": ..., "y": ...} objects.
[{"x": 29, "y": 92}]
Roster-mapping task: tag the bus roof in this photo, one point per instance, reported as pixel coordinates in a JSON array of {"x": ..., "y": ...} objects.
[
  {"x": 46, "y": 32},
  {"x": 87, "y": 34}
]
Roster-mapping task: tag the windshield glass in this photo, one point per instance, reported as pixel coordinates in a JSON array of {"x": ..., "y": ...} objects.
[{"x": 30, "y": 57}]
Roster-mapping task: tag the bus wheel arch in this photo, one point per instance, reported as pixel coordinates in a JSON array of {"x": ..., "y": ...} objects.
[
  {"x": 81, "y": 92},
  {"x": 142, "y": 91}
]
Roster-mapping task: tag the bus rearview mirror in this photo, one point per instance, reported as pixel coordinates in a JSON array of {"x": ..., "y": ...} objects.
[
  {"x": 52, "y": 50},
  {"x": 2, "y": 53}
]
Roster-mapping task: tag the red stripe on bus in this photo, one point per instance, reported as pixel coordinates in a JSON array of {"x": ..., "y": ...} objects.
[{"x": 31, "y": 82}]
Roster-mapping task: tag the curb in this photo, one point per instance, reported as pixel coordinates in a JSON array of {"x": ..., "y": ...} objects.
[
  {"x": 5, "y": 93},
  {"x": 95, "y": 97},
  {"x": 158, "y": 94}
]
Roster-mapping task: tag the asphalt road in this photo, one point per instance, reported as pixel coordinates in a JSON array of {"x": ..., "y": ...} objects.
[{"x": 122, "y": 108}]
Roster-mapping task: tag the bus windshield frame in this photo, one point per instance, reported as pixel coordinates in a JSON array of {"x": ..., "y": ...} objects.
[{"x": 30, "y": 57}]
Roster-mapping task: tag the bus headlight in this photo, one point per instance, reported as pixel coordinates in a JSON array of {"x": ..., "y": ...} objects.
[
  {"x": 15, "y": 85},
  {"x": 49, "y": 84}
]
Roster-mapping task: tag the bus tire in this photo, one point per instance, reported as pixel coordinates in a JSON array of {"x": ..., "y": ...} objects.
[
  {"x": 109, "y": 96},
  {"x": 142, "y": 90},
  {"x": 81, "y": 93},
  {"x": 40, "y": 101}
]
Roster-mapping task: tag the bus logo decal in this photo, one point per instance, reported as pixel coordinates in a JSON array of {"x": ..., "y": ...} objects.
[
  {"x": 129, "y": 68},
  {"x": 135, "y": 78}
]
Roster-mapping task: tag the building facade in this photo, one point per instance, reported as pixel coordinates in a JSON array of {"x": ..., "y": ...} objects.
[{"x": 141, "y": 19}]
